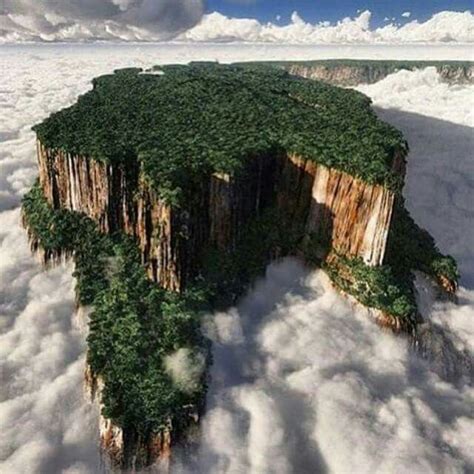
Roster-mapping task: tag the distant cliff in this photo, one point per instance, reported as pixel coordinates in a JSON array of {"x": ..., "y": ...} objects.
[
  {"x": 172, "y": 192},
  {"x": 350, "y": 73}
]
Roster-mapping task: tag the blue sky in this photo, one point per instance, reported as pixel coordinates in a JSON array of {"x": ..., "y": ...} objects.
[{"x": 333, "y": 10}]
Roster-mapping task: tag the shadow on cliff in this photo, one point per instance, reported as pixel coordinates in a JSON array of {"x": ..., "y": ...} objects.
[
  {"x": 439, "y": 189},
  {"x": 439, "y": 185},
  {"x": 239, "y": 361}
]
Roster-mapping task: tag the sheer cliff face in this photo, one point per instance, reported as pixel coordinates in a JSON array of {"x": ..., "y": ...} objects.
[{"x": 352, "y": 214}]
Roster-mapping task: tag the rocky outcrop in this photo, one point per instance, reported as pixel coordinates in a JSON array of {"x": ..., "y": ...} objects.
[
  {"x": 198, "y": 228},
  {"x": 126, "y": 448},
  {"x": 353, "y": 74},
  {"x": 355, "y": 216}
]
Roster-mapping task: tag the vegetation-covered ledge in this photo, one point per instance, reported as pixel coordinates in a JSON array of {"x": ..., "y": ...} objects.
[
  {"x": 139, "y": 333},
  {"x": 192, "y": 179}
]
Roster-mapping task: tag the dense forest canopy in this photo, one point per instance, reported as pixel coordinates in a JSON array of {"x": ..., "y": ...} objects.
[{"x": 183, "y": 122}]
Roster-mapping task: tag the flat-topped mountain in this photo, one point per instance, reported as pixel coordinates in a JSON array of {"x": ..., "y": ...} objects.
[{"x": 173, "y": 188}]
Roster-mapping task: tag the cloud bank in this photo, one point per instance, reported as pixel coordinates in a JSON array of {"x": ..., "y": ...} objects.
[
  {"x": 183, "y": 20},
  {"x": 315, "y": 386},
  {"x": 46, "y": 426},
  {"x": 445, "y": 26},
  {"x": 302, "y": 382}
]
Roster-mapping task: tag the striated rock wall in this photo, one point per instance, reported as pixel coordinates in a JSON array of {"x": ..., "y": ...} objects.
[
  {"x": 118, "y": 200},
  {"x": 352, "y": 75},
  {"x": 353, "y": 215}
]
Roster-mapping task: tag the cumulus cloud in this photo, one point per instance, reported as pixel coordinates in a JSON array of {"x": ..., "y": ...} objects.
[
  {"x": 442, "y": 27},
  {"x": 319, "y": 388},
  {"x": 300, "y": 376},
  {"x": 49, "y": 20},
  {"x": 406, "y": 14}
]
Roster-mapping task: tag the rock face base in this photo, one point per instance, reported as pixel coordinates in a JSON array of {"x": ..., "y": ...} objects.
[{"x": 125, "y": 449}]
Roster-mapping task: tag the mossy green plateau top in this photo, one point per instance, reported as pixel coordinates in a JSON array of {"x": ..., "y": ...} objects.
[{"x": 183, "y": 122}]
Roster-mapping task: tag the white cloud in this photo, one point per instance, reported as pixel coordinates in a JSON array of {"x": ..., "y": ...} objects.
[
  {"x": 442, "y": 27},
  {"x": 313, "y": 377},
  {"x": 406, "y": 14},
  {"x": 45, "y": 423},
  {"x": 440, "y": 100},
  {"x": 299, "y": 374}
]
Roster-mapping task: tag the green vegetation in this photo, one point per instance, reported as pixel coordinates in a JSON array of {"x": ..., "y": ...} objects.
[
  {"x": 380, "y": 287},
  {"x": 411, "y": 248},
  {"x": 203, "y": 118},
  {"x": 180, "y": 127},
  {"x": 63, "y": 232},
  {"x": 134, "y": 324},
  {"x": 390, "y": 287}
]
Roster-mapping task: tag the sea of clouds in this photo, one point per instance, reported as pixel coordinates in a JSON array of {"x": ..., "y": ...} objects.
[
  {"x": 185, "y": 21},
  {"x": 302, "y": 381}
]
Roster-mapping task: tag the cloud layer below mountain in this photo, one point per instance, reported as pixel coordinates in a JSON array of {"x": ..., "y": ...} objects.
[
  {"x": 183, "y": 20},
  {"x": 303, "y": 381}
]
